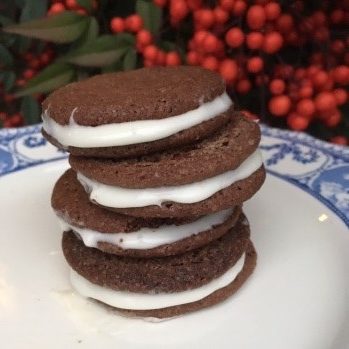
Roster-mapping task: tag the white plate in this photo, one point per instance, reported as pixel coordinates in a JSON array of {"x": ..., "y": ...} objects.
[{"x": 298, "y": 297}]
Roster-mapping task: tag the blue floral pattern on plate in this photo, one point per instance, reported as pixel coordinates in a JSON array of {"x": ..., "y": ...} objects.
[{"x": 320, "y": 168}]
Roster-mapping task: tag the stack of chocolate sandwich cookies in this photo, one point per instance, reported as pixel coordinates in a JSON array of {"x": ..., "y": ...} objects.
[{"x": 151, "y": 208}]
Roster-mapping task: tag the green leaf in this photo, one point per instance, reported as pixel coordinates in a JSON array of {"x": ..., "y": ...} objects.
[
  {"x": 20, "y": 3},
  {"x": 100, "y": 52},
  {"x": 8, "y": 78},
  {"x": 62, "y": 28},
  {"x": 87, "y": 4},
  {"x": 5, "y": 20},
  {"x": 5, "y": 56},
  {"x": 90, "y": 33},
  {"x": 30, "y": 109},
  {"x": 151, "y": 15},
  {"x": 22, "y": 44},
  {"x": 52, "y": 77},
  {"x": 114, "y": 67},
  {"x": 130, "y": 59},
  {"x": 33, "y": 9}
]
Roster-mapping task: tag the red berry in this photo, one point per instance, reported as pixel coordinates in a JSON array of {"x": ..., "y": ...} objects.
[
  {"x": 319, "y": 18},
  {"x": 160, "y": 3},
  {"x": 28, "y": 56},
  {"x": 210, "y": 43},
  {"x": 34, "y": 63},
  {"x": 340, "y": 140},
  {"x": 173, "y": 59},
  {"x": 193, "y": 58},
  {"x": 272, "y": 11},
  {"x": 228, "y": 70},
  {"x": 150, "y": 52},
  {"x": 280, "y": 105},
  {"x": 8, "y": 98},
  {"x": 45, "y": 58},
  {"x": 117, "y": 25},
  {"x": 16, "y": 119},
  {"x": 256, "y": 17},
  {"x": 320, "y": 79},
  {"x": 243, "y": 86},
  {"x": 306, "y": 107},
  {"x": 210, "y": 62},
  {"x": 20, "y": 82},
  {"x": 178, "y": 9},
  {"x": 144, "y": 37},
  {"x": 200, "y": 36},
  {"x": 134, "y": 23},
  {"x": 322, "y": 34},
  {"x": 161, "y": 58},
  {"x": 205, "y": 17},
  {"x": 194, "y": 4},
  {"x": 305, "y": 92},
  {"x": 333, "y": 119},
  {"x": 272, "y": 42},
  {"x": 254, "y": 40},
  {"x": 277, "y": 86},
  {"x": 227, "y": 4},
  {"x": 340, "y": 95},
  {"x": 299, "y": 73},
  {"x": 71, "y": 4},
  {"x": 325, "y": 101},
  {"x": 56, "y": 8},
  {"x": 3, "y": 116},
  {"x": 239, "y": 8},
  {"x": 28, "y": 74},
  {"x": 285, "y": 23},
  {"x": 297, "y": 122},
  {"x": 7, "y": 123},
  {"x": 220, "y": 15},
  {"x": 255, "y": 65},
  {"x": 338, "y": 47},
  {"x": 337, "y": 16},
  {"x": 234, "y": 37},
  {"x": 341, "y": 75}
]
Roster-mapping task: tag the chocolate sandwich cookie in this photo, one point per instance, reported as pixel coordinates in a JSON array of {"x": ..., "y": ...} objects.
[
  {"x": 138, "y": 112},
  {"x": 220, "y": 172},
  {"x": 223, "y": 151},
  {"x": 163, "y": 287},
  {"x": 212, "y": 299},
  {"x": 130, "y": 236}
]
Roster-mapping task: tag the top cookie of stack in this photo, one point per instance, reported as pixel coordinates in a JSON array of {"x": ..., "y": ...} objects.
[{"x": 136, "y": 113}]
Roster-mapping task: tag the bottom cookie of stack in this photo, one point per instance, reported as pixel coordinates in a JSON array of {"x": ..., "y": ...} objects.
[{"x": 163, "y": 287}]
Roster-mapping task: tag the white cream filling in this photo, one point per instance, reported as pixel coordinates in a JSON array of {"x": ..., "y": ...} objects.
[
  {"x": 141, "y": 301},
  {"x": 147, "y": 238},
  {"x": 133, "y": 132},
  {"x": 119, "y": 197}
]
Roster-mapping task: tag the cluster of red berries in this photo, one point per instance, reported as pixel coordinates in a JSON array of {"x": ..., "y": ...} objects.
[
  {"x": 32, "y": 64},
  {"x": 59, "y": 6},
  {"x": 303, "y": 95},
  {"x": 152, "y": 54},
  {"x": 221, "y": 34},
  {"x": 13, "y": 120},
  {"x": 239, "y": 40}
]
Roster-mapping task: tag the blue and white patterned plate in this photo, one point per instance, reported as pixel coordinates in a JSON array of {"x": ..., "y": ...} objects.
[{"x": 298, "y": 297}]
